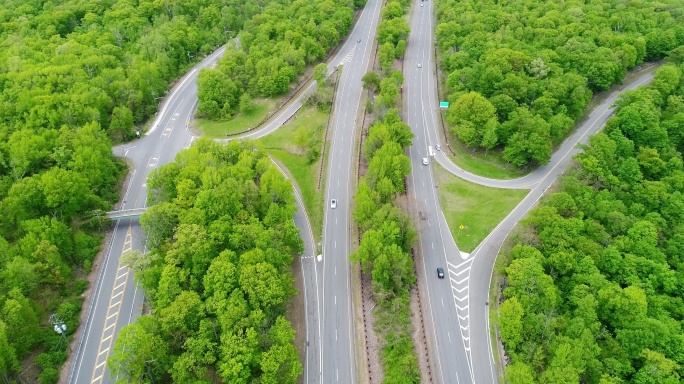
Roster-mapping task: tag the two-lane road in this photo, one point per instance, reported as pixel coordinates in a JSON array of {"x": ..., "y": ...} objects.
[
  {"x": 117, "y": 301},
  {"x": 445, "y": 299},
  {"x": 467, "y": 276},
  {"x": 339, "y": 365}
]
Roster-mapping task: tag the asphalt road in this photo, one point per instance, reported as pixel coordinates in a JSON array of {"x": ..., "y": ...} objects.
[
  {"x": 117, "y": 300},
  {"x": 485, "y": 254},
  {"x": 445, "y": 299},
  {"x": 338, "y": 322},
  {"x": 457, "y": 305}
]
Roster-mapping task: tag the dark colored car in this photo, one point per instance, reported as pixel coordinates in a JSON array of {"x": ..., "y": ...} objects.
[{"x": 440, "y": 273}]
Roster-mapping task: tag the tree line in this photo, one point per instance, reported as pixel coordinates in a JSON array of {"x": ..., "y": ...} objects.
[
  {"x": 273, "y": 48},
  {"x": 387, "y": 231},
  {"x": 393, "y": 31},
  {"x": 218, "y": 274},
  {"x": 75, "y": 75},
  {"x": 519, "y": 74},
  {"x": 595, "y": 282},
  {"x": 74, "y": 62},
  {"x": 387, "y": 237}
]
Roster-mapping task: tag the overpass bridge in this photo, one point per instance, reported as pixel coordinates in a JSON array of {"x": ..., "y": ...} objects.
[{"x": 125, "y": 213}]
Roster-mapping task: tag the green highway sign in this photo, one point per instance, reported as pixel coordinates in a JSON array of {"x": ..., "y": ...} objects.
[{"x": 444, "y": 104}]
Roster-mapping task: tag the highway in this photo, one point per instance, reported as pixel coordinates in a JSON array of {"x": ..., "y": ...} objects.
[
  {"x": 116, "y": 300},
  {"x": 445, "y": 307},
  {"x": 457, "y": 307},
  {"x": 339, "y": 365}
]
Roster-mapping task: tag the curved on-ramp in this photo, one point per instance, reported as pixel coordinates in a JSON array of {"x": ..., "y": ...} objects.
[
  {"x": 116, "y": 300},
  {"x": 457, "y": 306}
]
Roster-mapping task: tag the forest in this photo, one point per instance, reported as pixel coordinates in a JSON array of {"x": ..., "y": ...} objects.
[
  {"x": 595, "y": 282},
  {"x": 519, "y": 74},
  {"x": 75, "y": 76},
  {"x": 218, "y": 274},
  {"x": 273, "y": 48}
]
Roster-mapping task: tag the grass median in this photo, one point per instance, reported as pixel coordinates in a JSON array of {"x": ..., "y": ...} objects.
[
  {"x": 241, "y": 122},
  {"x": 289, "y": 145},
  {"x": 491, "y": 164},
  {"x": 477, "y": 208}
]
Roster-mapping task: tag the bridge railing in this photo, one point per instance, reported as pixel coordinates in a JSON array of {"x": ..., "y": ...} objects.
[{"x": 125, "y": 213}]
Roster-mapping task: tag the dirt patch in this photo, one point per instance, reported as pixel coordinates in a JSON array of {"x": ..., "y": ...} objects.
[
  {"x": 375, "y": 372},
  {"x": 295, "y": 313},
  {"x": 295, "y": 150},
  {"x": 419, "y": 338},
  {"x": 418, "y": 332}
]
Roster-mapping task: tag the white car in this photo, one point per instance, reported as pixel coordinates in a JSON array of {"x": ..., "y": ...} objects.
[
  {"x": 425, "y": 161},
  {"x": 419, "y": 65},
  {"x": 333, "y": 203},
  {"x": 421, "y": 4}
]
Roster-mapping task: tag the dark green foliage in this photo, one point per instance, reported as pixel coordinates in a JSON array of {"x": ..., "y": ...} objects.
[
  {"x": 543, "y": 59},
  {"x": 218, "y": 274},
  {"x": 274, "y": 48},
  {"x": 596, "y": 297},
  {"x": 388, "y": 233}
]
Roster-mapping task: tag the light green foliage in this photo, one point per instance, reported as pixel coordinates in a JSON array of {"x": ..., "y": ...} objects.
[
  {"x": 472, "y": 116},
  {"x": 594, "y": 293},
  {"x": 219, "y": 96},
  {"x": 75, "y": 76},
  {"x": 393, "y": 31},
  {"x": 272, "y": 50},
  {"x": 548, "y": 58},
  {"x": 8, "y": 359},
  {"x": 218, "y": 274},
  {"x": 387, "y": 231},
  {"x": 320, "y": 73},
  {"x": 140, "y": 352}
]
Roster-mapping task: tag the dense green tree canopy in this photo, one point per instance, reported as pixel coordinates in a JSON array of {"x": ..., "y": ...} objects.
[
  {"x": 76, "y": 75},
  {"x": 218, "y": 274},
  {"x": 595, "y": 285},
  {"x": 272, "y": 50},
  {"x": 542, "y": 59}
]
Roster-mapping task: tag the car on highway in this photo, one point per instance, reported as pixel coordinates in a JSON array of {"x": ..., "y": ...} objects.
[
  {"x": 440, "y": 273},
  {"x": 358, "y": 41},
  {"x": 438, "y": 147},
  {"x": 333, "y": 203},
  {"x": 425, "y": 161},
  {"x": 420, "y": 65},
  {"x": 421, "y": 4}
]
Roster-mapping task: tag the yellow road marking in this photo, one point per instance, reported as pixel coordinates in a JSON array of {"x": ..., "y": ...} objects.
[{"x": 112, "y": 312}]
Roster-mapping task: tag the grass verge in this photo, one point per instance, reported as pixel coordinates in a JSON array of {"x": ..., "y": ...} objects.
[
  {"x": 289, "y": 145},
  {"x": 479, "y": 209},
  {"x": 240, "y": 123},
  {"x": 491, "y": 164}
]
